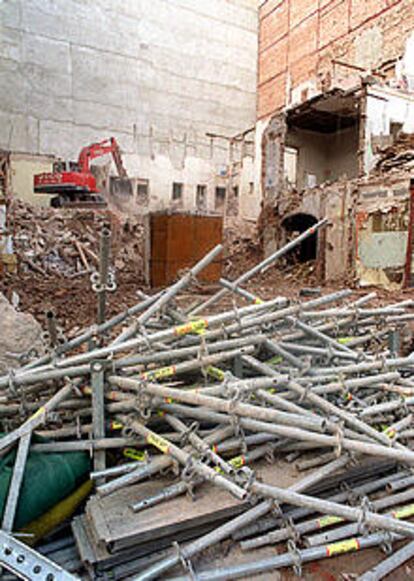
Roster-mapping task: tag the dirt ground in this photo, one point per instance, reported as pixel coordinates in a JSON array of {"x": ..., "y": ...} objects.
[{"x": 74, "y": 301}]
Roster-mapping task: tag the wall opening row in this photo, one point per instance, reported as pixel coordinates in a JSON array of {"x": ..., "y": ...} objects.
[{"x": 223, "y": 195}]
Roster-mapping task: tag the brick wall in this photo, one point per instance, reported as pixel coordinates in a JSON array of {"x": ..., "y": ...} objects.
[{"x": 299, "y": 38}]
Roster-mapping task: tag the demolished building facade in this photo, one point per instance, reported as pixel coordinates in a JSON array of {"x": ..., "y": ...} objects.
[
  {"x": 335, "y": 94},
  {"x": 334, "y": 90}
]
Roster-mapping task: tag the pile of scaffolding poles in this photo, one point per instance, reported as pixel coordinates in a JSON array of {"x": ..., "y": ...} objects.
[{"x": 207, "y": 397}]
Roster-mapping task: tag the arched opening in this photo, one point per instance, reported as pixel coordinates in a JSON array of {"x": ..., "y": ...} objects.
[{"x": 293, "y": 226}]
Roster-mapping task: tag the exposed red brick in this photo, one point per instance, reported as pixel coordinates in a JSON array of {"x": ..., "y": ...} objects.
[
  {"x": 303, "y": 69},
  {"x": 272, "y": 96},
  {"x": 268, "y": 6},
  {"x": 303, "y": 39},
  {"x": 361, "y": 11},
  {"x": 301, "y": 9},
  {"x": 273, "y": 60},
  {"x": 315, "y": 39},
  {"x": 274, "y": 26},
  {"x": 333, "y": 22}
]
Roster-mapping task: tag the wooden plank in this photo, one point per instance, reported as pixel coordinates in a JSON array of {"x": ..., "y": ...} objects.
[
  {"x": 114, "y": 522},
  {"x": 116, "y": 525}
]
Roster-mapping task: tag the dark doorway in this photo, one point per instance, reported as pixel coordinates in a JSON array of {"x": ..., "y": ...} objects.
[{"x": 295, "y": 225}]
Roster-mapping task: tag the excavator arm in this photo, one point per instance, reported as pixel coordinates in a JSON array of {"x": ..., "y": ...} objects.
[{"x": 98, "y": 150}]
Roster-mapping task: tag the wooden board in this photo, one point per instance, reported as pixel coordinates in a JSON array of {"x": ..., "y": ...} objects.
[
  {"x": 117, "y": 526},
  {"x": 178, "y": 241}
]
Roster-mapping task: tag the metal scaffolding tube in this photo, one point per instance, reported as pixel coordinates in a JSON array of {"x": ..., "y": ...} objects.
[
  {"x": 389, "y": 564},
  {"x": 353, "y": 529},
  {"x": 104, "y": 250},
  {"x": 173, "y": 290},
  {"x": 262, "y": 265},
  {"x": 156, "y": 465},
  {"x": 291, "y": 558},
  {"x": 185, "y": 458},
  {"x": 37, "y": 418},
  {"x": 281, "y": 534},
  {"x": 299, "y": 513},
  {"x": 16, "y": 482},
  {"x": 333, "y": 508},
  {"x": 168, "y": 334},
  {"x": 311, "y": 422}
]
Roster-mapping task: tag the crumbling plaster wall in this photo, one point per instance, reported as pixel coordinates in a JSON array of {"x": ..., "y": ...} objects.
[
  {"x": 367, "y": 235},
  {"x": 381, "y": 230},
  {"x": 299, "y": 42},
  {"x": 386, "y": 106},
  {"x": 326, "y": 156},
  {"x": 334, "y": 202},
  {"x": 156, "y": 74}
]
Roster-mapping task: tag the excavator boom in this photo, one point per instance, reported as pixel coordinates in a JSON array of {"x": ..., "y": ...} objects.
[{"x": 100, "y": 149}]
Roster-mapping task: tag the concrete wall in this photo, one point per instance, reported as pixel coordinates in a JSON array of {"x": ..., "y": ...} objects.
[
  {"x": 156, "y": 74},
  {"x": 299, "y": 39}
]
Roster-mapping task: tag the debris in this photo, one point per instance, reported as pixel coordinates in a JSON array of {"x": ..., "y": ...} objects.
[
  {"x": 310, "y": 292},
  {"x": 399, "y": 155},
  {"x": 59, "y": 242}
]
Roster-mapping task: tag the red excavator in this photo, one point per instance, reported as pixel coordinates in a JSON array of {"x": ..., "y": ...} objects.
[{"x": 73, "y": 184}]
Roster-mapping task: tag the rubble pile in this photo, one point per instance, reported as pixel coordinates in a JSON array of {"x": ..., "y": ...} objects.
[
  {"x": 398, "y": 156},
  {"x": 242, "y": 249},
  {"x": 58, "y": 251},
  {"x": 270, "y": 423},
  {"x": 65, "y": 243}
]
